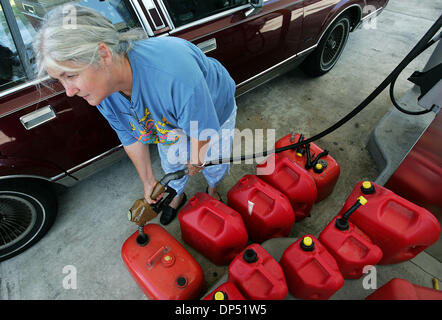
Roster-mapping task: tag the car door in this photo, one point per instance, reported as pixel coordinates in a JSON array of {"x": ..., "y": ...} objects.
[
  {"x": 42, "y": 131},
  {"x": 247, "y": 43}
]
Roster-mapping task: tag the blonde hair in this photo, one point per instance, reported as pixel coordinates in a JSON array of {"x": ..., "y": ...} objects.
[{"x": 72, "y": 33}]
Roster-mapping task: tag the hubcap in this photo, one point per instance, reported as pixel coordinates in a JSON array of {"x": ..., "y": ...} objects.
[
  {"x": 17, "y": 217},
  {"x": 333, "y": 46}
]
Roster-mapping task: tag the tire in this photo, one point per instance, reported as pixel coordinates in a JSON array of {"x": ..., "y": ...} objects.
[
  {"x": 27, "y": 211},
  {"x": 330, "y": 48}
]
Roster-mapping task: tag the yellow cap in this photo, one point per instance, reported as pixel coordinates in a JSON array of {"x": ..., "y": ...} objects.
[
  {"x": 299, "y": 154},
  {"x": 219, "y": 295},
  {"x": 307, "y": 241},
  {"x": 366, "y": 184},
  {"x": 318, "y": 166},
  {"x": 362, "y": 200},
  {"x": 168, "y": 260}
]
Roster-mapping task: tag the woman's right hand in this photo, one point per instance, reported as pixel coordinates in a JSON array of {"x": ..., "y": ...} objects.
[{"x": 148, "y": 189}]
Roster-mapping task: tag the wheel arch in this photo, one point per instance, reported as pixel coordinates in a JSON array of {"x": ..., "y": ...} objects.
[
  {"x": 17, "y": 180},
  {"x": 353, "y": 10}
]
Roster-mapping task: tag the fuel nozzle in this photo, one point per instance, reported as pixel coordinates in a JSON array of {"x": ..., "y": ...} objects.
[
  {"x": 141, "y": 211},
  {"x": 342, "y": 223},
  {"x": 161, "y": 186}
]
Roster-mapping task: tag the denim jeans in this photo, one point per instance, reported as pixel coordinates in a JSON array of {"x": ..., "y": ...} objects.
[{"x": 175, "y": 157}]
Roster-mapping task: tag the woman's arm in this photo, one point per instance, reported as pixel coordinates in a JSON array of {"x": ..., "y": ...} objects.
[{"x": 140, "y": 156}]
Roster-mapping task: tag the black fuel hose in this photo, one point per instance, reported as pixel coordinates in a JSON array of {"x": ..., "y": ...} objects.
[
  {"x": 318, "y": 157},
  {"x": 423, "y": 44},
  {"x": 173, "y": 176}
]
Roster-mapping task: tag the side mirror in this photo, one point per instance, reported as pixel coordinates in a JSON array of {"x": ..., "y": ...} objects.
[{"x": 256, "y": 7}]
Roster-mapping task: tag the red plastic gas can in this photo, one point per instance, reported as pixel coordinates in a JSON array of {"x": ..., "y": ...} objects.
[
  {"x": 292, "y": 180},
  {"x": 226, "y": 291},
  {"x": 266, "y": 211},
  {"x": 350, "y": 246},
  {"x": 326, "y": 174},
  {"x": 258, "y": 275},
  {"x": 399, "y": 227},
  {"x": 214, "y": 229},
  {"x": 162, "y": 267},
  {"x": 311, "y": 271},
  {"x": 401, "y": 289}
]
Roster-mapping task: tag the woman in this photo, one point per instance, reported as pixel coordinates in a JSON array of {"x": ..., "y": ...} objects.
[{"x": 158, "y": 90}]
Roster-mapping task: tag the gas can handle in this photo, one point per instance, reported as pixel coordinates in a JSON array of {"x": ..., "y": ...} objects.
[
  {"x": 266, "y": 273},
  {"x": 156, "y": 256}
]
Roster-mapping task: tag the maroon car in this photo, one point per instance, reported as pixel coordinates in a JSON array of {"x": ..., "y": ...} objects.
[{"x": 49, "y": 140}]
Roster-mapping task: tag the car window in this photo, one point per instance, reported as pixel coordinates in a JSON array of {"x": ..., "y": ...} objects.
[
  {"x": 11, "y": 70},
  {"x": 186, "y": 11},
  {"x": 29, "y": 15}
]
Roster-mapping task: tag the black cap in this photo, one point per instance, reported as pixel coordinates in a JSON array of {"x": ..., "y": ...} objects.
[
  {"x": 318, "y": 168},
  {"x": 307, "y": 244},
  {"x": 181, "y": 281},
  {"x": 367, "y": 188},
  {"x": 142, "y": 240},
  {"x": 250, "y": 256},
  {"x": 342, "y": 224}
]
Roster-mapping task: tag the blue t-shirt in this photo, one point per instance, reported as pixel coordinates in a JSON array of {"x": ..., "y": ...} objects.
[{"x": 174, "y": 83}]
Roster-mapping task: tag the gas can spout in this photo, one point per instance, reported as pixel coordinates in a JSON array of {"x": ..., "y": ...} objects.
[
  {"x": 142, "y": 238},
  {"x": 342, "y": 223}
]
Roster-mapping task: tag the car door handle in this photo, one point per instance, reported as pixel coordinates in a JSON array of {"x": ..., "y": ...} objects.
[
  {"x": 208, "y": 45},
  {"x": 38, "y": 117}
]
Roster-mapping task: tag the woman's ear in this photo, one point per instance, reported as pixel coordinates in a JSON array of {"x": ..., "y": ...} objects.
[{"x": 105, "y": 54}]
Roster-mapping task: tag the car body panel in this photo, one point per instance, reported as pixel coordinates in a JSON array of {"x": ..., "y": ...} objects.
[
  {"x": 69, "y": 147},
  {"x": 76, "y": 134},
  {"x": 247, "y": 46},
  {"x": 13, "y": 167}
]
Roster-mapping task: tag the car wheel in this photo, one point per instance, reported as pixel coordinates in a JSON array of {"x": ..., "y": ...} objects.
[
  {"x": 27, "y": 211},
  {"x": 330, "y": 48}
]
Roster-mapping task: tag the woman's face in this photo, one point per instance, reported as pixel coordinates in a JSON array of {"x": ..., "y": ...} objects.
[{"x": 92, "y": 83}]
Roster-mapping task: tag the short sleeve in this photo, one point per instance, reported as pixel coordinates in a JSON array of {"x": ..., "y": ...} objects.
[
  {"x": 125, "y": 137},
  {"x": 198, "y": 113}
]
